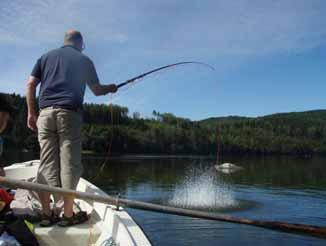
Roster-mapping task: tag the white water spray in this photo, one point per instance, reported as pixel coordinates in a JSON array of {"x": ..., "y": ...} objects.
[{"x": 203, "y": 190}]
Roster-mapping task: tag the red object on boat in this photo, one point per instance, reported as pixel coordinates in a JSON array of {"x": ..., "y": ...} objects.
[{"x": 5, "y": 196}]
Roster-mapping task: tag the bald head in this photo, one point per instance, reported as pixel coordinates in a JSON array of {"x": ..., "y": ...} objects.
[{"x": 74, "y": 37}]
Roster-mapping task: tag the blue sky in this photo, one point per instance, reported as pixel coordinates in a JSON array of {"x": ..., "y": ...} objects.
[{"x": 269, "y": 55}]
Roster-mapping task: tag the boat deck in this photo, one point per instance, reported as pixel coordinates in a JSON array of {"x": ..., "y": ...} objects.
[
  {"x": 75, "y": 235},
  {"x": 105, "y": 224}
]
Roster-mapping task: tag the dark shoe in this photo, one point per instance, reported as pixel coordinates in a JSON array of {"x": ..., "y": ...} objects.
[
  {"x": 49, "y": 220},
  {"x": 76, "y": 219}
]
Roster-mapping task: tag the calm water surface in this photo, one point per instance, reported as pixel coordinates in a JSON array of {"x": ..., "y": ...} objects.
[{"x": 284, "y": 188}]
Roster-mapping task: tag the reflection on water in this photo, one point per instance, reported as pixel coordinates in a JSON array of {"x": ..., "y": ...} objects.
[
  {"x": 272, "y": 188},
  {"x": 202, "y": 189},
  {"x": 289, "y": 172}
]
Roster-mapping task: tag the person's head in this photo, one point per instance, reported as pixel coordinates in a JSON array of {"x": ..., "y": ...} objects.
[
  {"x": 74, "y": 38},
  {"x": 5, "y": 110}
]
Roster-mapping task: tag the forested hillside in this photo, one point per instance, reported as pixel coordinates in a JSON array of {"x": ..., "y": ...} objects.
[{"x": 290, "y": 133}]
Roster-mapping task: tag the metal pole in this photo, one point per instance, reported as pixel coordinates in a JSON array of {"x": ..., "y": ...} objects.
[{"x": 274, "y": 225}]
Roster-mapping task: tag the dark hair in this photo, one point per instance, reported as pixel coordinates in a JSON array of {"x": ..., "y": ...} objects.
[
  {"x": 73, "y": 36},
  {"x": 5, "y": 104}
]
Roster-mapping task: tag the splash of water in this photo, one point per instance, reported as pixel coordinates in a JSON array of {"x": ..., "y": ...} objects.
[{"x": 203, "y": 190}]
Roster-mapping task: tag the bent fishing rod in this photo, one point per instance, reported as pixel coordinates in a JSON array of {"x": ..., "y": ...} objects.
[
  {"x": 134, "y": 79},
  {"x": 162, "y": 68}
]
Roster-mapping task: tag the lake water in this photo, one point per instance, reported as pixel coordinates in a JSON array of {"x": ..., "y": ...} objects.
[{"x": 285, "y": 189}]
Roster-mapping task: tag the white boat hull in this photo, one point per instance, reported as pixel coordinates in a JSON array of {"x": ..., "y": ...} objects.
[{"x": 106, "y": 223}]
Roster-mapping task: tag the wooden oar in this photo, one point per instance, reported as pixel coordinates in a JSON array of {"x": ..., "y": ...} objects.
[{"x": 274, "y": 225}]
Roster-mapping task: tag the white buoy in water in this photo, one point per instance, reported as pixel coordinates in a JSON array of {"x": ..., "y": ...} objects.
[{"x": 227, "y": 168}]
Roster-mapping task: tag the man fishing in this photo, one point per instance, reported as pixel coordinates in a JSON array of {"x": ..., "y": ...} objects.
[{"x": 62, "y": 74}]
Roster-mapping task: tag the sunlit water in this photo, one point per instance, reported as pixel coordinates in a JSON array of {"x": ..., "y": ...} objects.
[
  {"x": 283, "y": 189},
  {"x": 273, "y": 188}
]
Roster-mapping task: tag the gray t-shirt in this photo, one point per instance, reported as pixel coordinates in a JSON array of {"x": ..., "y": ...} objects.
[{"x": 64, "y": 73}]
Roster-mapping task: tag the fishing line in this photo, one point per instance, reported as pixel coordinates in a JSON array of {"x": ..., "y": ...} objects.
[
  {"x": 110, "y": 142},
  {"x": 131, "y": 82}
]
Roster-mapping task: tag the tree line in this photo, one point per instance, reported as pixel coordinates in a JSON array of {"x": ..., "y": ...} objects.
[{"x": 302, "y": 133}]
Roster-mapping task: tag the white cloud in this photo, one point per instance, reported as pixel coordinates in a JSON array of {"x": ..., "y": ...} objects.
[
  {"x": 44, "y": 21},
  {"x": 249, "y": 27},
  {"x": 188, "y": 26},
  {"x": 128, "y": 36}
]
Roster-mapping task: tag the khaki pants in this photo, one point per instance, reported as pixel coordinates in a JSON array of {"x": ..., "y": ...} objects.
[{"x": 59, "y": 135}]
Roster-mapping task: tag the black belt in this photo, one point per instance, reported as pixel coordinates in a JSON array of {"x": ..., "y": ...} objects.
[{"x": 67, "y": 107}]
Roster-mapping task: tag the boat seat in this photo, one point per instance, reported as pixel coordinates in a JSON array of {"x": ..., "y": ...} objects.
[{"x": 75, "y": 235}]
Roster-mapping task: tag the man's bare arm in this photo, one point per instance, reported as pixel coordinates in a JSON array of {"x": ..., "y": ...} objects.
[
  {"x": 99, "y": 89},
  {"x": 31, "y": 102}
]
